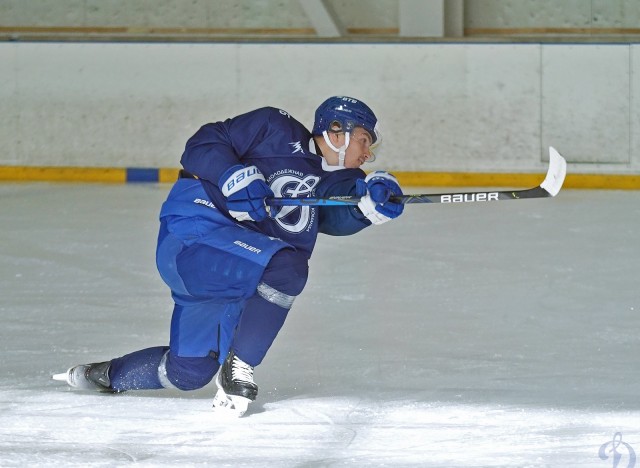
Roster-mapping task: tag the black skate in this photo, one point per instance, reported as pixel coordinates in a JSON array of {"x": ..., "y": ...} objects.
[
  {"x": 236, "y": 388},
  {"x": 88, "y": 377}
]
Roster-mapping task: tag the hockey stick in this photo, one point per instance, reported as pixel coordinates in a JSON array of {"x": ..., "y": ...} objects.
[{"x": 549, "y": 187}]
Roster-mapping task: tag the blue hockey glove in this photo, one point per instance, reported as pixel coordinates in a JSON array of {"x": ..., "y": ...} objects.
[
  {"x": 375, "y": 190},
  {"x": 245, "y": 190}
]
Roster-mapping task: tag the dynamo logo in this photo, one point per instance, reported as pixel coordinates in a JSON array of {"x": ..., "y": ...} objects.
[
  {"x": 294, "y": 219},
  {"x": 610, "y": 449}
]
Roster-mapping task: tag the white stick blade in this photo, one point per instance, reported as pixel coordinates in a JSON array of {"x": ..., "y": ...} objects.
[{"x": 556, "y": 173}]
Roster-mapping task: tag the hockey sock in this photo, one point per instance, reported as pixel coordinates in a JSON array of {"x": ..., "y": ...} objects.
[
  {"x": 259, "y": 325},
  {"x": 138, "y": 370},
  {"x": 265, "y": 312}
]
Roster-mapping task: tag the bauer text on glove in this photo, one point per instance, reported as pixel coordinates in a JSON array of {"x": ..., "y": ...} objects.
[{"x": 245, "y": 190}]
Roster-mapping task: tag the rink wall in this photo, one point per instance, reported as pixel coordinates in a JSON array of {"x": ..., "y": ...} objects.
[{"x": 452, "y": 113}]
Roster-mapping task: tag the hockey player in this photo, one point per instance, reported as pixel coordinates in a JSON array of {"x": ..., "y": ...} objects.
[{"x": 235, "y": 265}]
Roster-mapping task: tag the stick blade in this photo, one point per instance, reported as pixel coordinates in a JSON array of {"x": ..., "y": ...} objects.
[{"x": 556, "y": 173}]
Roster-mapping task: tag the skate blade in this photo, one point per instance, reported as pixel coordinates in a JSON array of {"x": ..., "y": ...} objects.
[
  {"x": 64, "y": 377},
  {"x": 230, "y": 406}
]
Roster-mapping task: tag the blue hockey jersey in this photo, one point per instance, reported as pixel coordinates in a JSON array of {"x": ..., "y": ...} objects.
[{"x": 283, "y": 149}]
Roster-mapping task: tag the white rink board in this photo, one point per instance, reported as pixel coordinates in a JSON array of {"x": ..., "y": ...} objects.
[
  {"x": 451, "y": 107},
  {"x": 593, "y": 94},
  {"x": 9, "y": 117},
  {"x": 635, "y": 110}
]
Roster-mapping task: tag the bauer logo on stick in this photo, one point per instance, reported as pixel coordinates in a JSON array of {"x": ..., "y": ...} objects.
[{"x": 469, "y": 197}]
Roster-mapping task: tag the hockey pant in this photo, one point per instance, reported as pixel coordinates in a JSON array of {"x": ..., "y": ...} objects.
[{"x": 225, "y": 295}]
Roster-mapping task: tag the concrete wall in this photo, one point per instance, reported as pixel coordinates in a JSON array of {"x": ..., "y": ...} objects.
[
  {"x": 552, "y": 13},
  {"x": 189, "y": 13},
  {"x": 444, "y": 107},
  {"x": 366, "y": 14}
]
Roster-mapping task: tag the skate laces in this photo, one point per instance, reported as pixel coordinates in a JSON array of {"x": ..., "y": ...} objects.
[{"x": 241, "y": 371}]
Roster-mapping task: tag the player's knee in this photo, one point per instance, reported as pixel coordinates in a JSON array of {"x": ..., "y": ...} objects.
[
  {"x": 284, "y": 278},
  {"x": 187, "y": 373}
]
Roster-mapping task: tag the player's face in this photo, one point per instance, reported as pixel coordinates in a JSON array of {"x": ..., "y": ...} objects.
[{"x": 359, "y": 149}]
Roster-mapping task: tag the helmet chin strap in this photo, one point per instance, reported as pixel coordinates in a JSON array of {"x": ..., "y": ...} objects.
[{"x": 342, "y": 150}]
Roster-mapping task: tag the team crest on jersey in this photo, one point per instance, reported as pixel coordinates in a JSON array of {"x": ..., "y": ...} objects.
[
  {"x": 294, "y": 184},
  {"x": 297, "y": 147}
]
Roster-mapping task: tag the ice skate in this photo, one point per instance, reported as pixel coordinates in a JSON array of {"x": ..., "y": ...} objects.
[
  {"x": 236, "y": 388},
  {"x": 88, "y": 377}
]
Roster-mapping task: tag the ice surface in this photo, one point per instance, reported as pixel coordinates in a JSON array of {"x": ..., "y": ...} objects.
[{"x": 496, "y": 334}]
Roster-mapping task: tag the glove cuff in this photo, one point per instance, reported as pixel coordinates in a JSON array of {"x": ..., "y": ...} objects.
[{"x": 368, "y": 208}]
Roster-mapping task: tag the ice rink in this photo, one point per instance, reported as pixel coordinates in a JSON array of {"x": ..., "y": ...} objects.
[{"x": 487, "y": 334}]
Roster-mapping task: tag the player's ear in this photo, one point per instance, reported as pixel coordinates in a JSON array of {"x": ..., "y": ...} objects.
[{"x": 336, "y": 138}]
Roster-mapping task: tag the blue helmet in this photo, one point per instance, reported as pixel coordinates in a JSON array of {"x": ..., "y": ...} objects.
[{"x": 343, "y": 114}]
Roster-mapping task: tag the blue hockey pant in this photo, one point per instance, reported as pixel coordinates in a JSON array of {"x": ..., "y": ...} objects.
[{"x": 213, "y": 283}]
